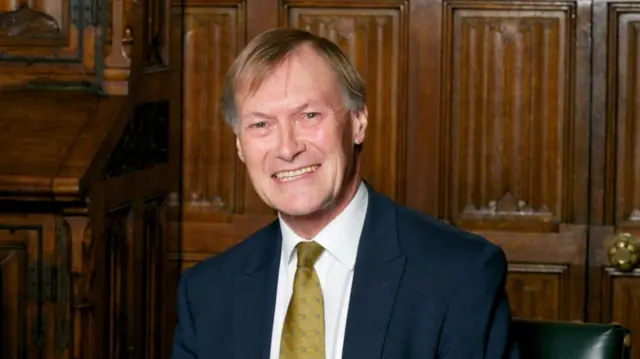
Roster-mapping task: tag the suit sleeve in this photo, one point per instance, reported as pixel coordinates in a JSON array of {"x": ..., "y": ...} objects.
[
  {"x": 478, "y": 321},
  {"x": 184, "y": 338}
]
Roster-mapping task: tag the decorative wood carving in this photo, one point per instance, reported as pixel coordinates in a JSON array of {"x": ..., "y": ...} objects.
[
  {"x": 50, "y": 41},
  {"x": 136, "y": 236},
  {"x": 118, "y": 46},
  {"x": 144, "y": 142},
  {"x": 508, "y": 212},
  {"x": 213, "y": 176},
  {"x": 508, "y": 112},
  {"x": 507, "y": 205},
  {"x": 156, "y": 33},
  {"x": 373, "y": 40},
  {"x": 27, "y": 22},
  {"x": 35, "y": 316},
  {"x": 622, "y": 118},
  {"x": 82, "y": 271},
  {"x": 55, "y": 43}
]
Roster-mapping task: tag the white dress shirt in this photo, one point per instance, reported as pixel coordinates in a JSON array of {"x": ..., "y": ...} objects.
[{"x": 340, "y": 239}]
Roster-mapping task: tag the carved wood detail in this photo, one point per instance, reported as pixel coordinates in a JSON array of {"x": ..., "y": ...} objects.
[
  {"x": 507, "y": 110},
  {"x": 156, "y": 32},
  {"x": 144, "y": 142},
  {"x": 27, "y": 22},
  {"x": 136, "y": 240},
  {"x": 373, "y": 40},
  {"x": 118, "y": 46},
  {"x": 82, "y": 270},
  {"x": 49, "y": 41},
  {"x": 213, "y": 178},
  {"x": 31, "y": 301},
  {"x": 622, "y": 117}
]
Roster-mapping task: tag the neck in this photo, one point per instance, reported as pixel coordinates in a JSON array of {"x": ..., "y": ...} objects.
[{"x": 310, "y": 225}]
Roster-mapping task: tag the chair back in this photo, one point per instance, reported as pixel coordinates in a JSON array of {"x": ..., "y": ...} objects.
[{"x": 539, "y": 339}]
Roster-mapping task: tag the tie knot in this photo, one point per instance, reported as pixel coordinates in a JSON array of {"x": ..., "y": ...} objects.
[{"x": 308, "y": 253}]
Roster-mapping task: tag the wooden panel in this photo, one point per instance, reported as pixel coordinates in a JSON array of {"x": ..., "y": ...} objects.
[
  {"x": 33, "y": 321},
  {"x": 621, "y": 304},
  {"x": 374, "y": 41},
  {"x": 14, "y": 283},
  {"x": 513, "y": 131},
  {"x": 507, "y": 107},
  {"x": 538, "y": 291},
  {"x": 136, "y": 238},
  {"x": 213, "y": 178},
  {"x": 624, "y": 114},
  {"x": 546, "y": 272},
  {"x": 219, "y": 201}
]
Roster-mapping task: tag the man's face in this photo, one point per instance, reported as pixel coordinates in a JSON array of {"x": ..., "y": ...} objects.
[{"x": 296, "y": 137}]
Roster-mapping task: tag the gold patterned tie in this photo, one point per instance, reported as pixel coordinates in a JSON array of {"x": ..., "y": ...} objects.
[{"x": 303, "y": 331}]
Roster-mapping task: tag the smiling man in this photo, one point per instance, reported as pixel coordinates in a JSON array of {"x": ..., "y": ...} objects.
[{"x": 344, "y": 272}]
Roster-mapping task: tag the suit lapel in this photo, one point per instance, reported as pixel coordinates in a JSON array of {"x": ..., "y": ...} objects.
[
  {"x": 254, "y": 297},
  {"x": 378, "y": 270}
]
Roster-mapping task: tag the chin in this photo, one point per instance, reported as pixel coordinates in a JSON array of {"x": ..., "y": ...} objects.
[
  {"x": 298, "y": 211},
  {"x": 302, "y": 207}
]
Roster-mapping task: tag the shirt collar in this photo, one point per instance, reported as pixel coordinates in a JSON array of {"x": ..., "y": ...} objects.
[{"x": 340, "y": 238}]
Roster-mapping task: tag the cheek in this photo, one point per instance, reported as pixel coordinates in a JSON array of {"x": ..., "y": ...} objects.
[
  {"x": 327, "y": 138},
  {"x": 255, "y": 153}
]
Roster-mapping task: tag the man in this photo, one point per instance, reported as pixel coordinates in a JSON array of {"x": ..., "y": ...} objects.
[{"x": 343, "y": 272}]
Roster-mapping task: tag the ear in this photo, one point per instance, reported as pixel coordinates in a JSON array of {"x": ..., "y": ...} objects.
[
  {"x": 360, "y": 121},
  {"x": 239, "y": 148}
]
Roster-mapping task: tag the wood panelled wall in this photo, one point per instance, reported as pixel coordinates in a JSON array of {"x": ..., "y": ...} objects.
[
  {"x": 518, "y": 120},
  {"x": 90, "y": 154}
]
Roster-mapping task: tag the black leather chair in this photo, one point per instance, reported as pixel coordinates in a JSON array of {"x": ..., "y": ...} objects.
[{"x": 539, "y": 339}]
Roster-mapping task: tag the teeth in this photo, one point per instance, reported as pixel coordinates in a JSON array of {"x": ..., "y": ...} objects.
[{"x": 291, "y": 175}]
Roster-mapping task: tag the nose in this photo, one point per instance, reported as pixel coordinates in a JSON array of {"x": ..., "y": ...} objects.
[{"x": 289, "y": 146}]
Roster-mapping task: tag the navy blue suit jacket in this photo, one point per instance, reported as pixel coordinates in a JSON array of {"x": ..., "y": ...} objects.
[{"x": 421, "y": 289}]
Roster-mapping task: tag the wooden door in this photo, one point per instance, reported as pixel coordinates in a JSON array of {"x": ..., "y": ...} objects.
[
  {"x": 507, "y": 134},
  {"x": 615, "y": 196}
]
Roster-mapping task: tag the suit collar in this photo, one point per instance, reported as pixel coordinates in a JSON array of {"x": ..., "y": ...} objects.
[
  {"x": 255, "y": 294},
  {"x": 379, "y": 267},
  {"x": 266, "y": 251}
]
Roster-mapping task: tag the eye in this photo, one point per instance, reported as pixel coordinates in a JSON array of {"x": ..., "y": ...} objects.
[
  {"x": 261, "y": 124},
  {"x": 311, "y": 115}
]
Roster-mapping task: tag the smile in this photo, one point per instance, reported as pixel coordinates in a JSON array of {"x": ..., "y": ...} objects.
[{"x": 295, "y": 174}]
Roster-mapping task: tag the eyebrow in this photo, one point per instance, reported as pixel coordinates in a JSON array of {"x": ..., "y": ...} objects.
[
  {"x": 266, "y": 116},
  {"x": 259, "y": 114}
]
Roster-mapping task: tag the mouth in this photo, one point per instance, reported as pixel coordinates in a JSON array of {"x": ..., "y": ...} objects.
[{"x": 286, "y": 176}]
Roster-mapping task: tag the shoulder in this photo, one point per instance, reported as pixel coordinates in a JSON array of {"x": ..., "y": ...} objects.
[
  {"x": 461, "y": 259},
  {"x": 216, "y": 270},
  {"x": 430, "y": 233},
  {"x": 432, "y": 244}
]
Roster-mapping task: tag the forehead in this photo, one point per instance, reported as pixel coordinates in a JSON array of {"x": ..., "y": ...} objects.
[{"x": 304, "y": 76}]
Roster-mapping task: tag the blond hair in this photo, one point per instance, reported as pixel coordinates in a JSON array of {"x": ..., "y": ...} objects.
[{"x": 269, "y": 49}]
